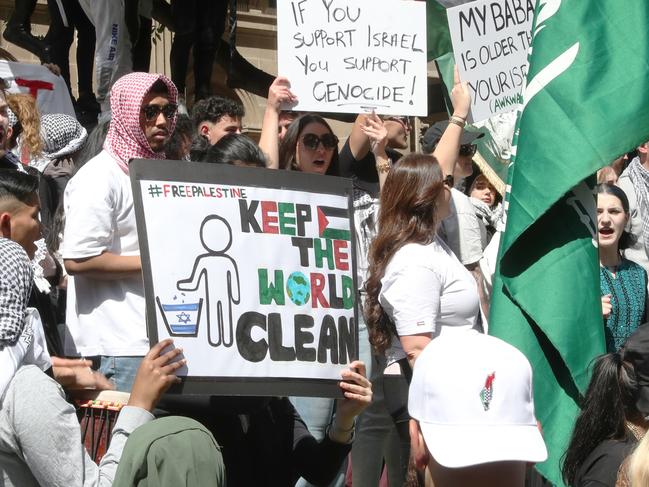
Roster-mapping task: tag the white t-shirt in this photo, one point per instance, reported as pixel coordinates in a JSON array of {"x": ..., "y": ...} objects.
[
  {"x": 104, "y": 317},
  {"x": 425, "y": 289}
]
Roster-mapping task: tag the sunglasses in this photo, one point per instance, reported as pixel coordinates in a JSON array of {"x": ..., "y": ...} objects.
[
  {"x": 312, "y": 141},
  {"x": 468, "y": 149},
  {"x": 151, "y": 112},
  {"x": 449, "y": 181}
]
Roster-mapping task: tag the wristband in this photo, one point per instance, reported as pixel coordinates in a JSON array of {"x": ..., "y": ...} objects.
[
  {"x": 384, "y": 166},
  {"x": 460, "y": 122}
]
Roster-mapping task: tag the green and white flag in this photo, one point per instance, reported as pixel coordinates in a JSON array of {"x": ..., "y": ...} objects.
[{"x": 586, "y": 102}]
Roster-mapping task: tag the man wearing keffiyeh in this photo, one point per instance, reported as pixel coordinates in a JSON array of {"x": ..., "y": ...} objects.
[
  {"x": 634, "y": 181},
  {"x": 105, "y": 308}
]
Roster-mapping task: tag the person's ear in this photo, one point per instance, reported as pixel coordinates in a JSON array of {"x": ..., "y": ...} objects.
[
  {"x": 204, "y": 129},
  {"x": 5, "y": 225},
  {"x": 417, "y": 445}
]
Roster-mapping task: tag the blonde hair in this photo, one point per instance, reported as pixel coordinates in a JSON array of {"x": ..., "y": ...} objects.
[
  {"x": 29, "y": 119},
  {"x": 639, "y": 464}
]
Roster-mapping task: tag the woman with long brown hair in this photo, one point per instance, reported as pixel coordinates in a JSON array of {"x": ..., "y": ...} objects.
[{"x": 417, "y": 288}]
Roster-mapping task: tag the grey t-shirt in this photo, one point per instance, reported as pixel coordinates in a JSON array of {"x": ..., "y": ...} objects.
[{"x": 40, "y": 436}]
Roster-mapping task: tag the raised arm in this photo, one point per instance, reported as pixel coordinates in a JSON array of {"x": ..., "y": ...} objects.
[
  {"x": 448, "y": 148},
  {"x": 278, "y": 93},
  {"x": 377, "y": 136},
  {"x": 359, "y": 142}
]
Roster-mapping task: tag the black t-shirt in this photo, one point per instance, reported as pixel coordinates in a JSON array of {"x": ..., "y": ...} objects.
[
  {"x": 600, "y": 468},
  {"x": 363, "y": 172}
]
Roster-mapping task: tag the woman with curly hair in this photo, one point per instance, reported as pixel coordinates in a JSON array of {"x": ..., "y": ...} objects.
[{"x": 26, "y": 139}]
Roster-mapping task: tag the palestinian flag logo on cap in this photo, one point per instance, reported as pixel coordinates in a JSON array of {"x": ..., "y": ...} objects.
[{"x": 487, "y": 391}]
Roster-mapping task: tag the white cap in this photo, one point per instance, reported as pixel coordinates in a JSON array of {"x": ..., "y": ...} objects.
[{"x": 472, "y": 395}]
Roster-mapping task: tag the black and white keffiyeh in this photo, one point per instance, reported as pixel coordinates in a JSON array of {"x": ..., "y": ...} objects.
[
  {"x": 62, "y": 136},
  {"x": 639, "y": 176},
  {"x": 15, "y": 288}
]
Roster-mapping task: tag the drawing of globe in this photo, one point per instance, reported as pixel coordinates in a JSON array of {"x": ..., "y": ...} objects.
[{"x": 298, "y": 288}]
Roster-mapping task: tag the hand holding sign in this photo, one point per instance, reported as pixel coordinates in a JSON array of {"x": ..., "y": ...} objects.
[
  {"x": 279, "y": 93},
  {"x": 460, "y": 96},
  {"x": 155, "y": 375},
  {"x": 357, "y": 390}
]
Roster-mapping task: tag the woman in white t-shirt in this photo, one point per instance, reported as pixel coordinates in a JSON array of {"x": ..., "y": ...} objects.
[{"x": 417, "y": 288}]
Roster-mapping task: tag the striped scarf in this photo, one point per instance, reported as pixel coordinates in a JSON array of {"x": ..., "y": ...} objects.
[{"x": 639, "y": 176}]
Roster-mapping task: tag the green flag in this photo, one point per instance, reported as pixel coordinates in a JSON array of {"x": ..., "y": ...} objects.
[
  {"x": 438, "y": 37},
  {"x": 586, "y": 102}
]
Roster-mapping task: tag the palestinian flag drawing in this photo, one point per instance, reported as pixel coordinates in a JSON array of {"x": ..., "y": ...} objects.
[{"x": 333, "y": 223}]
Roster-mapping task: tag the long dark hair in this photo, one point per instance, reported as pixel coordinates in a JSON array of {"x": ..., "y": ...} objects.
[
  {"x": 609, "y": 401},
  {"x": 289, "y": 144},
  {"x": 408, "y": 214},
  {"x": 626, "y": 239}
]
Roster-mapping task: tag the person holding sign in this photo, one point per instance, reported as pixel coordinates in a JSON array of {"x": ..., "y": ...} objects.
[
  {"x": 40, "y": 440},
  {"x": 105, "y": 309}
]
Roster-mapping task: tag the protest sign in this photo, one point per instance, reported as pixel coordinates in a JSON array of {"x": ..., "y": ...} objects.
[
  {"x": 254, "y": 277},
  {"x": 49, "y": 90},
  {"x": 490, "y": 43},
  {"x": 351, "y": 56}
]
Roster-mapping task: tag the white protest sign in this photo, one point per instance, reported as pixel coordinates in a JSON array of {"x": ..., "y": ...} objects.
[
  {"x": 50, "y": 91},
  {"x": 352, "y": 56},
  {"x": 254, "y": 282},
  {"x": 490, "y": 43}
]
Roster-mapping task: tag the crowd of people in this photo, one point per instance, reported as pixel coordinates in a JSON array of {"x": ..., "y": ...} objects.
[{"x": 432, "y": 399}]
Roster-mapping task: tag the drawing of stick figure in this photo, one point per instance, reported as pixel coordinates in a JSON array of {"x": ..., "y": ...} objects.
[{"x": 221, "y": 279}]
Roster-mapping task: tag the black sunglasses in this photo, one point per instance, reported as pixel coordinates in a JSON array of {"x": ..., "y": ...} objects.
[
  {"x": 468, "y": 149},
  {"x": 151, "y": 112},
  {"x": 449, "y": 181},
  {"x": 328, "y": 141}
]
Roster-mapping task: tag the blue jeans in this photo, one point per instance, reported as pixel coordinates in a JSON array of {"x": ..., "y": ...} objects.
[
  {"x": 121, "y": 370},
  {"x": 316, "y": 412}
]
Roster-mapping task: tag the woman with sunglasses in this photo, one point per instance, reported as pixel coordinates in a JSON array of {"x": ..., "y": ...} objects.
[{"x": 310, "y": 146}]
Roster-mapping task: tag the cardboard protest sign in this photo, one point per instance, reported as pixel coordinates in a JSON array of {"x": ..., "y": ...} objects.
[
  {"x": 351, "y": 56},
  {"x": 490, "y": 43},
  {"x": 253, "y": 276},
  {"x": 50, "y": 91}
]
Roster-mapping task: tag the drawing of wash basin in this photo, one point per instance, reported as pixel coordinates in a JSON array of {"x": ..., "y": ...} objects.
[{"x": 181, "y": 319}]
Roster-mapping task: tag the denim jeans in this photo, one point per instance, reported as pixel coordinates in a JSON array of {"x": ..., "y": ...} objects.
[{"x": 121, "y": 370}]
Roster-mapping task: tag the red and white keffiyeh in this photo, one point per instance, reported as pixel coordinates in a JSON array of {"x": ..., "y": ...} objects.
[{"x": 126, "y": 139}]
